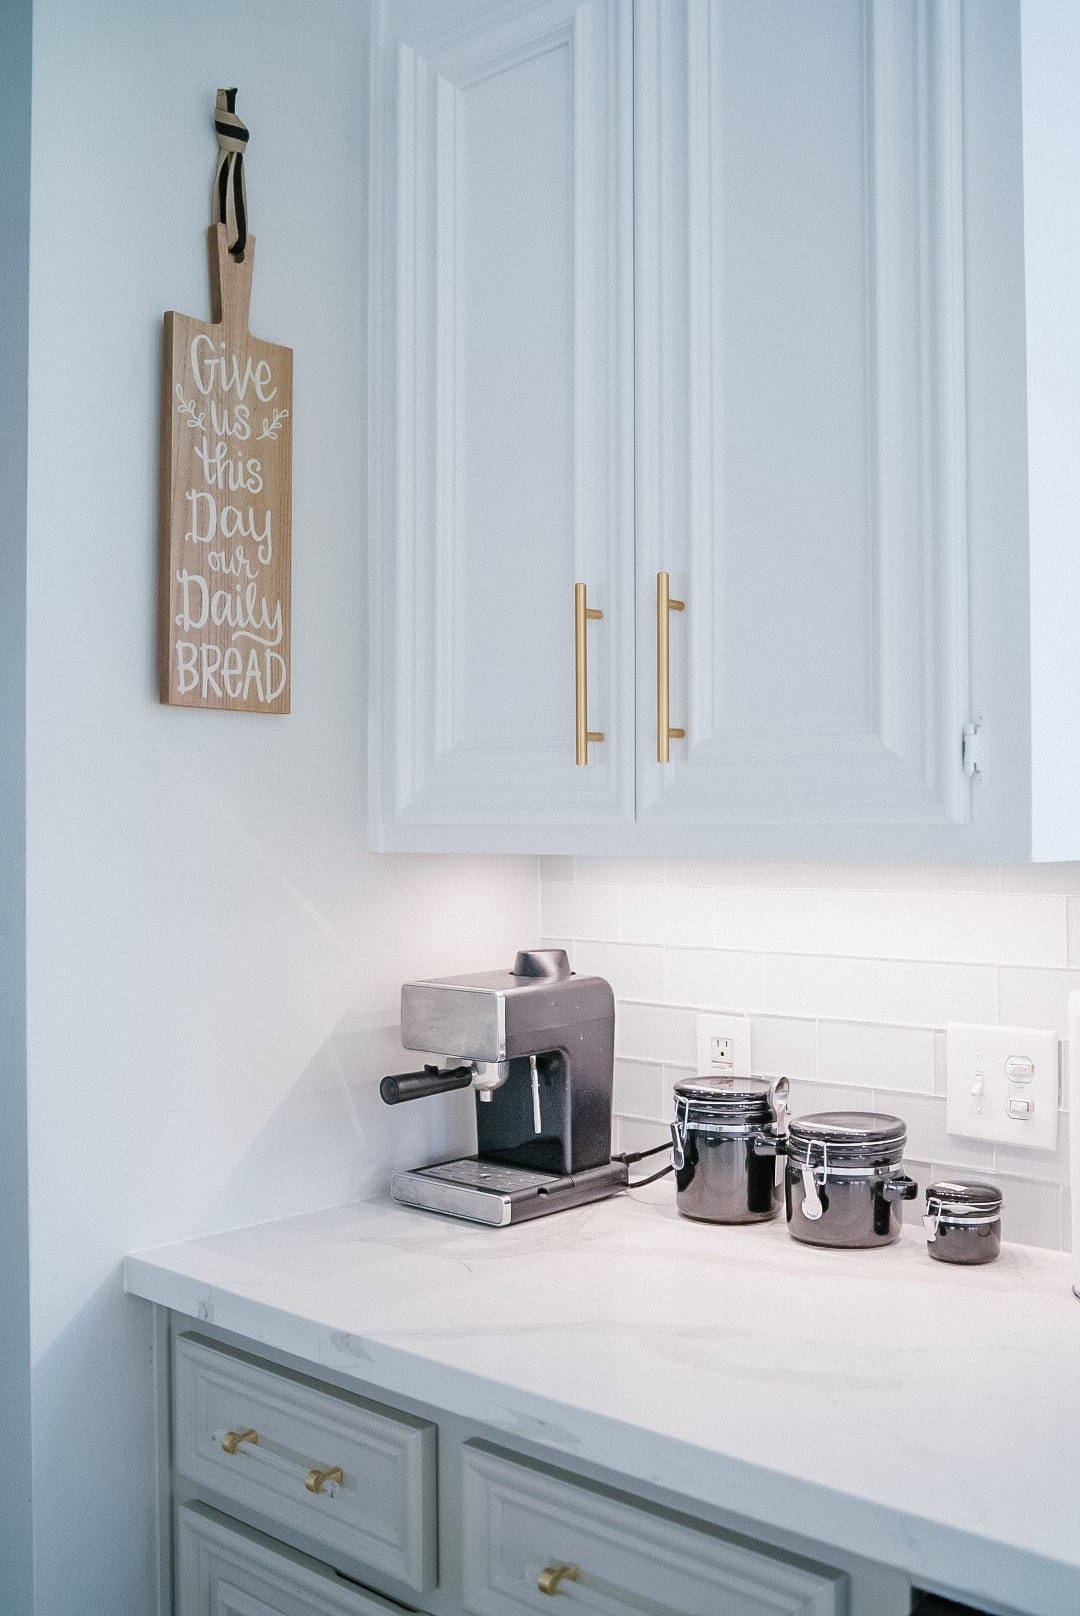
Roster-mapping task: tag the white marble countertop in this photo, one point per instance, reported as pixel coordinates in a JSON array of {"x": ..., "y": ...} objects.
[{"x": 923, "y": 1415}]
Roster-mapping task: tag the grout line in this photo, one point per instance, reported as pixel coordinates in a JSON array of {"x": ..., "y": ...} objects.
[
  {"x": 824, "y": 954},
  {"x": 779, "y": 1015}
]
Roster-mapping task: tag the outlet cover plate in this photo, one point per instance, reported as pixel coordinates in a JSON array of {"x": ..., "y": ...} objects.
[
  {"x": 737, "y": 1028},
  {"x": 997, "y": 1074}
]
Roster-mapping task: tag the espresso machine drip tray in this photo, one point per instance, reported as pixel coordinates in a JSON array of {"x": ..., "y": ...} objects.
[{"x": 486, "y": 1192}]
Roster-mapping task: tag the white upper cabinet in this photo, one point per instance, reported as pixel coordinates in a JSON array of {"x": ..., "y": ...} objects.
[
  {"x": 726, "y": 294},
  {"x": 502, "y": 415},
  {"x": 800, "y": 410}
]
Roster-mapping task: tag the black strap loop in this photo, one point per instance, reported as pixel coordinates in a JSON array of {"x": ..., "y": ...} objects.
[{"x": 230, "y": 197}]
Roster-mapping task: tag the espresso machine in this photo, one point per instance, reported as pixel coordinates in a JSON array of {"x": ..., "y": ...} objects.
[{"x": 537, "y": 1045}]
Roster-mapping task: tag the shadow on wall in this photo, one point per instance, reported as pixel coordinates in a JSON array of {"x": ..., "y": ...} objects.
[
  {"x": 94, "y": 1406},
  {"x": 332, "y": 1139}
]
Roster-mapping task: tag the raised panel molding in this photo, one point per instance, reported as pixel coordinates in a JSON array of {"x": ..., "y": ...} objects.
[
  {"x": 896, "y": 757},
  {"x": 907, "y": 291},
  {"x": 436, "y": 760}
]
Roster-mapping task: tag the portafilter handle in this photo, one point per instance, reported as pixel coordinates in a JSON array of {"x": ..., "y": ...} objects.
[{"x": 418, "y": 1085}]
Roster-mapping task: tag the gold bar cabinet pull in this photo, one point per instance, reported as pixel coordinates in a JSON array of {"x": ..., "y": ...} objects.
[
  {"x": 233, "y": 1439},
  {"x": 582, "y": 733},
  {"x": 317, "y": 1479},
  {"x": 552, "y": 1575},
  {"x": 664, "y": 607}
]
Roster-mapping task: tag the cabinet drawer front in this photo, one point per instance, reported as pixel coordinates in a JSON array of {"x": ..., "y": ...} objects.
[
  {"x": 224, "y": 1569},
  {"x": 289, "y": 1438},
  {"x": 523, "y": 1523}
]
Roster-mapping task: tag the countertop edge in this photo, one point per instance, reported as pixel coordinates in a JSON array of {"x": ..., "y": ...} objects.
[{"x": 942, "y": 1557}]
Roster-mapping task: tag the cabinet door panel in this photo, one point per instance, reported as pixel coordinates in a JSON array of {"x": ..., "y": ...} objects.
[
  {"x": 800, "y": 409},
  {"x": 502, "y": 432}
]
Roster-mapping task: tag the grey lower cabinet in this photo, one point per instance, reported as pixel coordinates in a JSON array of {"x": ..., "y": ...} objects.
[
  {"x": 293, "y": 1494},
  {"x": 226, "y": 1569}
]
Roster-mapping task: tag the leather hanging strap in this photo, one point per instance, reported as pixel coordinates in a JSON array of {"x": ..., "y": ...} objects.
[{"x": 230, "y": 197}]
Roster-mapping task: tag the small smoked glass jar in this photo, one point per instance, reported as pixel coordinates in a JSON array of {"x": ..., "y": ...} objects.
[{"x": 963, "y": 1222}]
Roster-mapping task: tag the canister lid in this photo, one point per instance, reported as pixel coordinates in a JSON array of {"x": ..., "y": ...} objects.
[
  {"x": 724, "y": 1099},
  {"x": 847, "y": 1139},
  {"x": 963, "y": 1196},
  {"x": 849, "y": 1127}
]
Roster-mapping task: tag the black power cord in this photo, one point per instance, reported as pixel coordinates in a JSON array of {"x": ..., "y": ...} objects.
[{"x": 630, "y": 1156}]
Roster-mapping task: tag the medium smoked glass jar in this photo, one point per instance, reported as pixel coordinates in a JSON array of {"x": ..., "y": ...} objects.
[{"x": 963, "y": 1221}]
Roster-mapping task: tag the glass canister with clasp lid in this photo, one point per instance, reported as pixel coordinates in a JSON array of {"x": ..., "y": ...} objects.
[
  {"x": 963, "y": 1221},
  {"x": 726, "y": 1136}
]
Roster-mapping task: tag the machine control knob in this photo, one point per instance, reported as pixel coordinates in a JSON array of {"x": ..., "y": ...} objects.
[{"x": 549, "y": 963}]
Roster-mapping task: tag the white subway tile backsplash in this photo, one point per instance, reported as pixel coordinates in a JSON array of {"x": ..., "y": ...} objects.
[
  {"x": 711, "y": 979},
  {"x": 884, "y": 925},
  {"x": 921, "y": 877},
  {"x": 864, "y": 1053},
  {"x": 634, "y": 972},
  {"x": 1003, "y": 928},
  {"x": 755, "y": 873},
  {"x": 825, "y": 874},
  {"x": 645, "y": 914},
  {"x": 1030, "y": 998},
  {"x": 575, "y": 909},
  {"x": 1048, "y": 1166},
  {"x": 769, "y": 919},
  {"x": 631, "y": 1133},
  {"x": 1063, "y": 1074},
  {"x": 1055, "y": 878},
  {"x": 849, "y": 973},
  {"x": 641, "y": 1090},
  {"x": 807, "y": 1097},
  {"x": 1074, "y": 930},
  {"x": 899, "y": 991},
  {"x": 655, "y": 1032},
  {"x": 927, "y": 1139},
  {"x": 624, "y": 872},
  {"x": 556, "y": 867},
  {"x": 650, "y": 913},
  {"x": 781, "y": 1046}
]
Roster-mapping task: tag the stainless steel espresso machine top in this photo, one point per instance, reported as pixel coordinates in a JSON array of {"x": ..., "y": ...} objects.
[{"x": 537, "y": 1045}]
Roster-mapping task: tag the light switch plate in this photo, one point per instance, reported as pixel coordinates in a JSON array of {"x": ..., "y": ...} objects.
[
  {"x": 736, "y": 1029},
  {"x": 1002, "y": 1084}
]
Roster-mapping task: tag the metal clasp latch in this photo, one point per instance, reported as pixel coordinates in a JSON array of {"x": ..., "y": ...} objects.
[
  {"x": 812, "y": 1207},
  {"x": 678, "y": 1133}
]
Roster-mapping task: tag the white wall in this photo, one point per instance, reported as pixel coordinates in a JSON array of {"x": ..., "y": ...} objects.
[
  {"x": 848, "y": 974},
  {"x": 15, "y": 1559},
  {"x": 213, "y": 960}
]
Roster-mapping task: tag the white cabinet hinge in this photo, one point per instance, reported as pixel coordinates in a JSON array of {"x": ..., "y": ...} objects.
[{"x": 972, "y": 750}]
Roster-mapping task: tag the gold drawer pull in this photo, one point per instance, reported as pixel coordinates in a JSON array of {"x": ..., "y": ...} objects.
[
  {"x": 317, "y": 1479},
  {"x": 582, "y": 733},
  {"x": 232, "y": 1439},
  {"x": 665, "y": 605},
  {"x": 552, "y": 1575}
]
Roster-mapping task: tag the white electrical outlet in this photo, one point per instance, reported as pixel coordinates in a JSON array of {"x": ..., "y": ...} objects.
[
  {"x": 723, "y": 1046},
  {"x": 1002, "y": 1084}
]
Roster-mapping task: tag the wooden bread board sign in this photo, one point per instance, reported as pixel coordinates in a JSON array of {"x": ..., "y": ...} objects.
[{"x": 226, "y": 503}]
